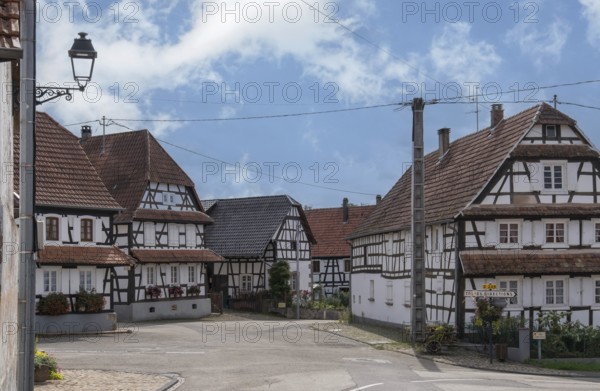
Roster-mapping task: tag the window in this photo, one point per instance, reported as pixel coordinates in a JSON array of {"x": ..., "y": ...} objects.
[
  {"x": 149, "y": 234},
  {"x": 51, "y": 228},
  {"x": 371, "y": 290},
  {"x": 550, "y": 132},
  {"x": 553, "y": 176},
  {"x": 190, "y": 235},
  {"x": 511, "y": 286},
  {"x": 87, "y": 230},
  {"x": 168, "y": 198},
  {"x": 293, "y": 245},
  {"x": 85, "y": 280},
  {"x": 293, "y": 281},
  {"x": 192, "y": 274},
  {"x": 246, "y": 283},
  {"x": 597, "y": 232},
  {"x": 597, "y": 300},
  {"x": 389, "y": 292},
  {"x": 555, "y": 292},
  {"x": 555, "y": 233},
  {"x": 174, "y": 275},
  {"x": 50, "y": 280},
  {"x": 173, "y": 231},
  {"x": 509, "y": 233},
  {"x": 316, "y": 266},
  {"x": 150, "y": 280},
  {"x": 347, "y": 265}
]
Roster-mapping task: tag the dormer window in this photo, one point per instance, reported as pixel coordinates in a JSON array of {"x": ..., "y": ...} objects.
[
  {"x": 168, "y": 198},
  {"x": 550, "y": 132},
  {"x": 51, "y": 228}
]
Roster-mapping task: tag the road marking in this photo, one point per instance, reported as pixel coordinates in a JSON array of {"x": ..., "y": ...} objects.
[
  {"x": 366, "y": 360},
  {"x": 365, "y": 387},
  {"x": 184, "y": 352},
  {"x": 440, "y": 380}
]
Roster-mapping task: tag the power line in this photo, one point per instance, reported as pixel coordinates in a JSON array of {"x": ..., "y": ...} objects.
[
  {"x": 261, "y": 116},
  {"x": 270, "y": 176}
]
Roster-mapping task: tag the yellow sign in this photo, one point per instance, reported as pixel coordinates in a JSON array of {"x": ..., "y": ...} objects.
[
  {"x": 539, "y": 335},
  {"x": 490, "y": 286},
  {"x": 280, "y": 305}
]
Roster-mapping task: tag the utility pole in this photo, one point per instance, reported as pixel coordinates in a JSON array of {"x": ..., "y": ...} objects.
[
  {"x": 298, "y": 270},
  {"x": 418, "y": 314}
]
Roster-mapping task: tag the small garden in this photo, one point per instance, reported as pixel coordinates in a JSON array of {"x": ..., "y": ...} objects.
[
  {"x": 566, "y": 339},
  {"x": 58, "y": 303},
  {"x": 46, "y": 367}
]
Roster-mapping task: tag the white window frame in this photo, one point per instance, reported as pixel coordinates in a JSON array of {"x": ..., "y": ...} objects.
[
  {"x": 50, "y": 273},
  {"x": 509, "y": 223},
  {"x": 545, "y": 132},
  {"x": 554, "y": 244},
  {"x": 174, "y": 274},
  {"x": 516, "y": 301},
  {"x": 150, "y": 275},
  {"x": 245, "y": 283},
  {"x": 389, "y": 292},
  {"x": 596, "y": 234},
  {"x": 173, "y": 235},
  {"x": 565, "y": 292},
  {"x": 149, "y": 234},
  {"x": 192, "y": 274},
  {"x": 564, "y": 182},
  {"x": 597, "y": 292},
  {"x": 168, "y": 198},
  {"x": 88, "y": 274}
]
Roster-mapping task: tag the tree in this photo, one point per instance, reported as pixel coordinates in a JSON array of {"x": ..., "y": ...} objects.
[{"x": 279, "y": 279}]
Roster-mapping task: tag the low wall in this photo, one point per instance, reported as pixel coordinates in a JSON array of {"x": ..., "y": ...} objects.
[
  {"x": 308, "y": 313},
  {"x": 183, "y": 308},
  {"x": 76, "y": 323}
]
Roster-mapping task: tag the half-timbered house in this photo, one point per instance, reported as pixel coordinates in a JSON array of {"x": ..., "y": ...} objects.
[
  {"x": 516, "y": 204},
  {"x": 252, "y": 233},
  {"x": 163, "y": 223},
  {"x": 77, "y": 212},
  {"x": 331, "y": 263}
]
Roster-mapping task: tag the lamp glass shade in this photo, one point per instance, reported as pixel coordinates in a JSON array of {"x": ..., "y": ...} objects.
[{"x": 83, "y": 56}]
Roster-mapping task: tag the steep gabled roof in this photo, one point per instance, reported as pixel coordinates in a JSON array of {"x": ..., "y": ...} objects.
[
  {"x": 244, "y": 226},
  {"x": 127, "y": 162},
  {"x": 453, "y": 182},
  {"x": 64, "y": 175},
  {"x": 331, "y": 231}
]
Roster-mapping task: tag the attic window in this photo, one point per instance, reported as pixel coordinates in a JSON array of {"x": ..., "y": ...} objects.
[
  {"x": 168, "y": 198},
  {"x": 550, "y": 132}
]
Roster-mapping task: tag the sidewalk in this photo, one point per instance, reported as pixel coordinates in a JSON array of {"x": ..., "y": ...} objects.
[{"x": 95, "y": 380}]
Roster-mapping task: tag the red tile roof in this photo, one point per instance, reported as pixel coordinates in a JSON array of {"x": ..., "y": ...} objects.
[
  {"x": 10, "y": 44},
  {"x": 84, "y": 255},
  {"x": 536, "y": 261},
  {"x": 532, "y": 211},
  {"x": 176, "y": 256},
  {"x": 454, "y": 182},
  {"x": 164, "y": 215},
  {"x": 331, "y": 232},
  {"x": 64, "y": 175},
  {"x": 130, "y": 161}
]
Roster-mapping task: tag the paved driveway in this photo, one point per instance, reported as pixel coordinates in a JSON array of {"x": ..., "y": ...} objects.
[{"x": 261, "y": 354}]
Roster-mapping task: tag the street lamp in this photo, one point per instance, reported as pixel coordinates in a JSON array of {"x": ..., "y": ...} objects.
[{"x": 83, "y": 56}]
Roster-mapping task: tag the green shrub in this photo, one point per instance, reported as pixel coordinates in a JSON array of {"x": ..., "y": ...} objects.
[
  {"x": 89, "y": 301},
  {"x": 53, "y": 304},
  {"x": 279, "y": 280}
]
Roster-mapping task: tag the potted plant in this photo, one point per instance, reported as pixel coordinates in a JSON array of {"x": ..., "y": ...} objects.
[
  {"x": 153, "y": 291},
  {"x": 46, "y": 367},
  {"x": 193, "y": 290},
  {"x": 53, "y": 304},
  {"x": 175, "y": 291},
  {"x": 89, "y": 301}
]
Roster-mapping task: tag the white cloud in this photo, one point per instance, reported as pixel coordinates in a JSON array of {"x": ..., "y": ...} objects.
[
  {"x": 157, "y": 55},
  {"x": 591, "y": 11},
  {"x": 459, "y": 57},
  {"x": 540, "y": 45}
]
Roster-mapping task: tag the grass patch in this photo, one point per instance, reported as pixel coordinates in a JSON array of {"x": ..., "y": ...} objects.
[{"x": 567, "y": 365}]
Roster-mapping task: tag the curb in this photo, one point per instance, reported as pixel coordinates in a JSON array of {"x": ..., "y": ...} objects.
[
  {"x": 175, "y": 382},
  {"x": 107, "y": 332}
]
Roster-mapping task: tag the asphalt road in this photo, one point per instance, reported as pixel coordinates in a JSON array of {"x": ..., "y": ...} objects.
[{"x": 278, "y": 355}]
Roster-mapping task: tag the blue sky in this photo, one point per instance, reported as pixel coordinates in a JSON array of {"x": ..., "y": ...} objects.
[{"x": 160, "y": 62}]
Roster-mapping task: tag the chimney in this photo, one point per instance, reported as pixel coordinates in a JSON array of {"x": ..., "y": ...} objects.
[
  {"x": 345, "y": 211},
  {"x": 86, "y": 132},
  {"x": 444, "y": 137},
  {"x": 497, "y": 114},
  {"x": 377, "y": 199}
]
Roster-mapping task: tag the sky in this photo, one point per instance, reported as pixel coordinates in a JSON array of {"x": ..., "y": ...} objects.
[{"x": 312, "y": 98}]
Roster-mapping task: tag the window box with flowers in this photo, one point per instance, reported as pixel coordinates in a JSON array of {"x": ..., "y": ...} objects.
[
  {"x": 193, "y": 290},
  {"x": 175, "y": 291},
  {"x": 89, "y": 301},
  {"x": 153, "y": 292},
  {"x": 53, "y": 304}
]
